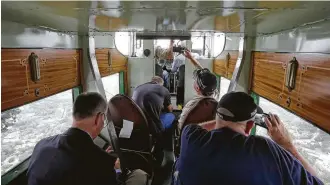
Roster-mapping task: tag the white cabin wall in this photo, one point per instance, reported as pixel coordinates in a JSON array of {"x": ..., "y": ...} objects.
[
  {"x": 141, "y": 69},
  {"x": 232, "y": 43},
  {"x": 16, "y": 35},
  {"x": 312, "y": 38},
  {"x": 106, "y": 41}
]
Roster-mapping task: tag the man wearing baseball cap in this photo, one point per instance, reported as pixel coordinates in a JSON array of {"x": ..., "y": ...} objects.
[
  {"x": 205, "y": 85},
  {"x": 229, "y": 155}
]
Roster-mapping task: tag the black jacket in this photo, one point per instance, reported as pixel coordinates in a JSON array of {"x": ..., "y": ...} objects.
[{"x": 70, "y": 158}]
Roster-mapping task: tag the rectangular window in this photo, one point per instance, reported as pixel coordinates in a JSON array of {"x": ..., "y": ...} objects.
[
  {"x": 224, "y": 85},
  {"x": 111, "y": 85},
  {"x": 311, "y": 142},
  {"x": 24, "y": 126}
]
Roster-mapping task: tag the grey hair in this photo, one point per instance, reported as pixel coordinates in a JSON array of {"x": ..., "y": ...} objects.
[
  {"x": 89, "y": 104},
  {"x": 157, "y": 80}
]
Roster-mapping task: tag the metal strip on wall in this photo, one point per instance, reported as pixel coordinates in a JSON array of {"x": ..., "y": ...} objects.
[{"x": 238, "y": 66}]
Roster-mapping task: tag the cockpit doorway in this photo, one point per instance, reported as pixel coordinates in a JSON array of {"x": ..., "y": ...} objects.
[{"x": 169, "y": 64}]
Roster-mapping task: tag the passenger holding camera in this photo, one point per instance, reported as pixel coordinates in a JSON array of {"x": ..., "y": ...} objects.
[{"x": 178, "y": 61}]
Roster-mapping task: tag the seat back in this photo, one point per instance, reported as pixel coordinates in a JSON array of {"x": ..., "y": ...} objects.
[
  {"x": 181, "y": 75},
  {"x": 123, "y": 108},
  {"x": 205, "y": 110},
  {"x": 136, "y": 150}
]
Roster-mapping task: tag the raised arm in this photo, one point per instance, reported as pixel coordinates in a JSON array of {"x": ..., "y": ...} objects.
[
  {"x": 170, "y": 51},
  {"x": 188, "y": 55}
]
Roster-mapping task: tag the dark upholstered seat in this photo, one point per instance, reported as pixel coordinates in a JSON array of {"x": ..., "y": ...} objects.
[
  {"x": 204, "y": 110},
  {"x": 136, "y": 150}
]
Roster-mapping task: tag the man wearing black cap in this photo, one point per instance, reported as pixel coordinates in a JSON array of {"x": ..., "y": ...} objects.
[
  {"x": 205, "y": 85},
  {"x": 229, "y": 155}
]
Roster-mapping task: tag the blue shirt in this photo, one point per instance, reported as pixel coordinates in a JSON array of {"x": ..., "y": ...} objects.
[
  {"x": 225, "y": 157},
  {"x": 177, "y": 62}
]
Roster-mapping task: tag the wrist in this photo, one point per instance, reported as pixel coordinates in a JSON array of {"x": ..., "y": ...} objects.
[{"x": 289, "y": 147}]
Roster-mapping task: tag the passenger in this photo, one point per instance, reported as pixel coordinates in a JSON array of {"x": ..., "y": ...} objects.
[
  {"x": 205, "y": 86},
  {"x": 152, "y": 98},
  {"x": 72, "y": 157},
  {"x": 178, "y": 61},
  {"x": 229, "y": 155}
]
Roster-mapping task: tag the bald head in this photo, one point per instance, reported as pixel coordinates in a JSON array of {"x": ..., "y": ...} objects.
[{"x": 158, "y": 80}]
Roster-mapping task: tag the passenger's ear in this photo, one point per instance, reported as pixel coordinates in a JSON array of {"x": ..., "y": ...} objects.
[
  {"x": 248, "y": 128},
  {"x": 99, "y": 119}
]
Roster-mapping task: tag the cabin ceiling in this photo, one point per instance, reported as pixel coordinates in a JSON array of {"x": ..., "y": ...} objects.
[{"x": 264, "y": 17}]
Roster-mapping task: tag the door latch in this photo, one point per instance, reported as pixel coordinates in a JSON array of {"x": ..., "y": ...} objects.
[{"x": 291, "y": 74}]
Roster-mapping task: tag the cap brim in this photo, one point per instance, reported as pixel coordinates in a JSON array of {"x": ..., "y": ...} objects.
[{"x": 259, "y": 110}]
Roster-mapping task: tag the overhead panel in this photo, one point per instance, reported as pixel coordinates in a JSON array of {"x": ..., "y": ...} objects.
[
  {"x": 104, "y": 23},
  {"x": 66, "y": 16},
  {"x": 310, "y": 96},
  {"x": 58, "y": 70},
  {"x": 228, "y": 23}
]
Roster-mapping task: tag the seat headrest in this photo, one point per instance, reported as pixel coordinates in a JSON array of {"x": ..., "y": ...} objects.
[
  {"x": 204, "y": 110},
  {"x": 123, "y": 107}
]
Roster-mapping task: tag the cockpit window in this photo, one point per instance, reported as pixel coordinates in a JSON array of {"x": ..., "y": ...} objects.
[
  {"x": 111, "y": 85},
  {"x": 311, "y": 142},
  {"x": 23, "y": 127},
  {"x": 198, "y": 46},
  {"x": 208, "y": 45}
]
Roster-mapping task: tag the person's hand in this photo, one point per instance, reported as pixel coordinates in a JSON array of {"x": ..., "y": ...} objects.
[
  {"x": 164, "y": 68},
  {"x": 109, "y": 150},
  {"x": 187, "y": 54},
  {"x": 117, "y": 164},
  {"x": 278, "y": 132}
]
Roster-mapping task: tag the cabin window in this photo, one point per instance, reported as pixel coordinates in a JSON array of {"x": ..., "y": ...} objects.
[
  {"x": 311, "y": 142},
  {"x": 123, "y": 42},
  {"x": 111, "y": 85},
  {"x": 24, "y": 126},
  {"x": 218, "y": 42},
  {"x": 165, "y": 43},
  {"x": 224, "y": 85}
]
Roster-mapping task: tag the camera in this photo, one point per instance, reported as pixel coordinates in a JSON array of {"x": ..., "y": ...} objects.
[
  {"x": 260, "y": 120},
  {"x": 178, "y": 49}
]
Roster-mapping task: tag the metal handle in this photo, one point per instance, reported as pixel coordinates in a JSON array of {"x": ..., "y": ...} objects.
[
  {"x": 291, "y": 73},
  {"x": 34, "y": 67},
  {"x": 109, "y": 58}
]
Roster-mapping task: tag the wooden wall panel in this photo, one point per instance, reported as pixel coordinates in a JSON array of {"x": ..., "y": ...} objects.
[
  {"x": 311, "y": 97},
  {"x": 227, "y": 23},
  {"x": 119, "y": 62},
  {"x": 59, "y": 70},
  {"x": 224, "y": 65},
  {"x": 106, "y": 23}
]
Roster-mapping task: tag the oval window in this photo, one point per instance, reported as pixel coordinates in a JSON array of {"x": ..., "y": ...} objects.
[
  {"x": 219, "y": 40},
  {"x": 123, "y": 42}
]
